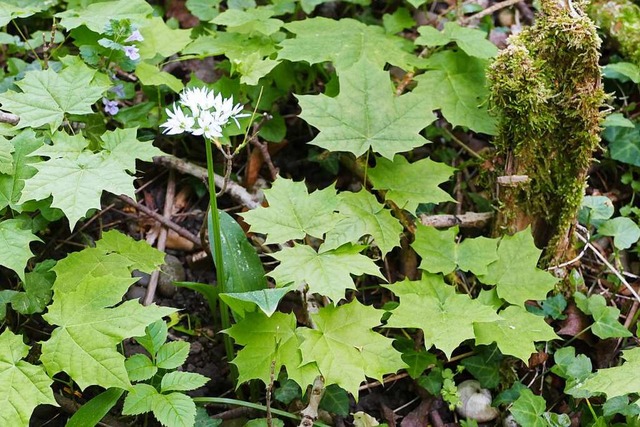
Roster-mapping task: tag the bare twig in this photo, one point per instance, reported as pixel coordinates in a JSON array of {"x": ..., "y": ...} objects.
[
  {"x": 167, "y": 223},
  {"x": 162, "y": 238},
  {"x": 467, "y": 220},
  {"x": 310, "y": 413},
  {"x": 233, "y": 189},
  {"x": 489, "y": 11},
  {"x": 601, "y": 257}
]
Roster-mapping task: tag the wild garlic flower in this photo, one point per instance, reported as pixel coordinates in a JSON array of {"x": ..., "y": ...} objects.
[{"x": 206, "y": 113}]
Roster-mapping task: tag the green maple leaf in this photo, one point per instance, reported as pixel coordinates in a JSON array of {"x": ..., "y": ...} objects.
[
  {"x": 456, "y": 84},
  {"x": 14, "y": 245},
  {"x": 361, "y": 214},
  {"x": 160, "y": 39},
  {"x": 327, "y": 273},
  {"x": 343, "y": 42},
  {"x": 96, "y": 16},
  {"x": 515, "y": 274},
  {"x": 12, "y": 9},
  {"x": 366, "y": 114},
  {"x": 618, "y": 381},
  {"x": 268, "y": 340},
  {"x": 23, "y": 386},
  {"x": 346, "y": 349},
  {"x": 409, "y": 184},
  {"x": 88, "y": 285},
  {"x": 516, "y": 333},
  {"x": 293, "y": 212},
  {"x": 76, "y": 177},
  {"x": 6, "y": 159},
  {"x": 441, "y": 254},
  {"x": 257, "y": 19},
  {"x": 606, "y": 324},
  {"x": 11, "y": 184},
  {"x": 473, "y": 42},
  {"x": 445, "y": 317},
  {"x": 47, "y": 96}
]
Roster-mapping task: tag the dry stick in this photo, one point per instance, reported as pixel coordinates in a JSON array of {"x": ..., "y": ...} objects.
[
  {"x": 162, "y": 238},
  {"x": 489, "y": 10},
  {"x": 12, "y": 119},
  {"x": 466, "y": 220},
  {"x": 609, "y": 266},
  {"x": 310, "y": 413},
  {"x": 164, "y": 221},
  {"x": 233, "y": 189}
]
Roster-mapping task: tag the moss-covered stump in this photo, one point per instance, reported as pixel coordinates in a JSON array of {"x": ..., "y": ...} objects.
[
  {"x": 546, "y": 89},
  {"x": 620, "y": 21}
]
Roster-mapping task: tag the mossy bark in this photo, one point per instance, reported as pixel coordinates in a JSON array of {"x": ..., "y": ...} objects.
[
  {"x": 547, "y": 91},
  {"x": 620, "y": 21}
]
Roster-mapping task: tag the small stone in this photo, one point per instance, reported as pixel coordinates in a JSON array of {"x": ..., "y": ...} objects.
[
  {"x": 135, "y": 292},
  {"x": 171, "y": 271},
  {"x": 195, "y": 348},
  {"x": 144, "y": 277}
]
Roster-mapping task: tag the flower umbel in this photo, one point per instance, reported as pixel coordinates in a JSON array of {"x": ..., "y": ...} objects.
[{"x": 211, "y": 112}]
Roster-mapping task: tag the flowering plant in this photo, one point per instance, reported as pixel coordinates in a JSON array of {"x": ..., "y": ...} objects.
[{"x": 206, "y": 114}]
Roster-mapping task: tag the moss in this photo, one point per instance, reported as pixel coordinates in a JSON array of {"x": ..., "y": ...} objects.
[
  {"x": 546, "y": 88},
  {"x": 620, "y": 21}
]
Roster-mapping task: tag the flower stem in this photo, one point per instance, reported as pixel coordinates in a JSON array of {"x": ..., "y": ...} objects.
[{"x": 217, "y": 249}]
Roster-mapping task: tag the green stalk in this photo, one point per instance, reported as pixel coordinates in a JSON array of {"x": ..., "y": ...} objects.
[
  {"x": 217, "y": 245},
  {"x": 226, "y": 401}
]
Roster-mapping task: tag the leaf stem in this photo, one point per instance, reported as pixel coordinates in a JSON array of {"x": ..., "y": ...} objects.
[{"x": 217, "y": 246}]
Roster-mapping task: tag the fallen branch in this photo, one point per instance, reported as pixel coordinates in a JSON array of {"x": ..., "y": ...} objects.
[
  {"x": 233, "y": 189},
  {"x": 467, "y": 220}
]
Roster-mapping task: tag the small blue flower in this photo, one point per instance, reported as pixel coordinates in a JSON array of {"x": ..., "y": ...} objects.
[
  {"x": 118, "y": 90},
  {"x": 110, "y": 107}
]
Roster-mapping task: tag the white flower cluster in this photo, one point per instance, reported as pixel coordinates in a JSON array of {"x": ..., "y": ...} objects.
[{"x": 209, "y": 113}]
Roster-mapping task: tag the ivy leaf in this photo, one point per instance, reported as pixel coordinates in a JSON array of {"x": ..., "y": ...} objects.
[
  {"x": 446, "y": 318},
  {"x": 606, "y": 318},
  {"x": 624, "y": 143},
  {"x": 76, "y": 178},
  {"x": 409, "y": 184},
  {"x": 575, "y": 369},
  {"x": 361, "y": 214},
  {"x": 473, "y": 42},
  {"x": 47, "y": 96},
  {"x": 528, "y": 409},
  {"x": 327, "y": 273},
  {"x": 160, "y": 39},
  {"x": 515, "y": 274},
  {"x": 37, "y": 290},
  {"x": 515, "y": 333},
  {"x": 88, "y": 285},
  {"x": 344, "y": 42},
  {"x": 441, "y": 254},
  {"x": 346, "y": 349},
  {"x": 14, "y": 245},
  {"x": 377, "y": 119},
  {"x": 456, "y": 84},
  {"x": 485, "y": 366},
  {"x": 293, "y": 212},
  {"x": 11, "y": 184},
  {"x": 94, "y": 15},
  {"x": 267, "y": 340},
  {"x": 624, "y": 231},
  {"x": 617, "y": 381},
  {"x": 23, "y": 386}
]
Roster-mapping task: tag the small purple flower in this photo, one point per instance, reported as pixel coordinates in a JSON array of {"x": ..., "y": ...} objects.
[
  {"x": 131, "y": 52},
  {"x": 110, "y": 107},
  {"x": 118, "y": 90},
  {"x": 134, "y": 37}
]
